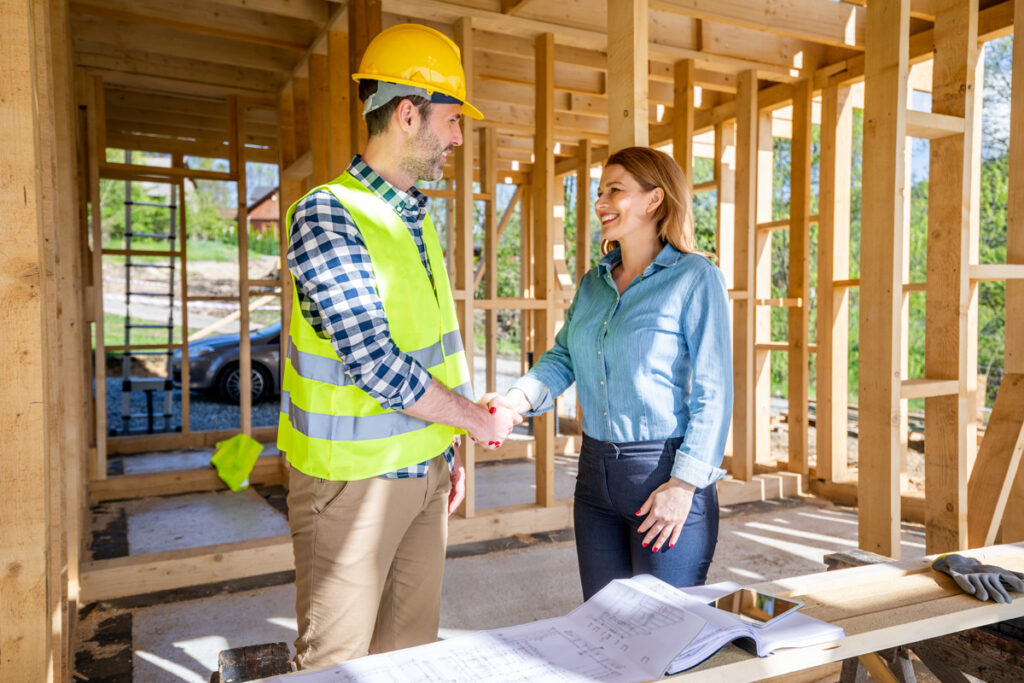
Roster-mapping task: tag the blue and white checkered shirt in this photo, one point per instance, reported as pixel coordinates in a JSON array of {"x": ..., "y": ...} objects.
[{"x": 338, "y": 294}]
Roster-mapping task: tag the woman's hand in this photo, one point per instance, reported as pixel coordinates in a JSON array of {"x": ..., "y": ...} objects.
[{"x": 666, "y": 508}]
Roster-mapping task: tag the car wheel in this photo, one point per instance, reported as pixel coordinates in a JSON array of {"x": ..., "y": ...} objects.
[{"x": 229, "y": 383}]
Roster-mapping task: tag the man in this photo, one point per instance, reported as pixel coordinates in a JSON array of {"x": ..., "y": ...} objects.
[{"x": 376, "y": 380}]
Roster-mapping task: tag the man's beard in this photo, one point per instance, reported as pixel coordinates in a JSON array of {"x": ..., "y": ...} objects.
[{"x": 422, "y": 157}]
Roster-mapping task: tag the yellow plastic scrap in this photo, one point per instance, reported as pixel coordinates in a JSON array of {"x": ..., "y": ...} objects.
[{"x": 234, "y": 459}]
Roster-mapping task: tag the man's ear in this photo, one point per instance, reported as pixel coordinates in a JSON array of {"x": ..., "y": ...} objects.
[{"x": 406, "y": 116}]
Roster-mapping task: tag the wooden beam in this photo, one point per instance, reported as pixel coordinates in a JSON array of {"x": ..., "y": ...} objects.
[
  {"x": 682, "y": 119},
  {"x": 744, "y": 274},
  {"x": 30, "y": 624},
  {"x": 181, "y": 43},
  {"x": 932, "y": 125},
  {"x": 583, "y": 233},
  {"x": 542, "y": 249},
  {"x": 512, "y": 6},
  {"x": 199, "y": 18},
  {"x": 462, "y": 229},
  {"x": 314, "y": 11},
  {"x": 950, "y": 427},
  {"x": 992, "y": 477},
  {"x": 96, "y": 149},
  {"x": 885, "y": 106},
  {"x": 267, "y": 470},
  {"x": 339, "y": 105},
  {"x": 833, "y": 302},
  {"x": 798, "y": 318},
  {"x": 627, "y": 74},
  {"x": 319, "y": 119},
  {"x": 364, "y": 23},
  {"x": 725, "y": 216},
  {"x": 995, "y": 272},
  {"x": 300, "y": 99},
  {"x": 838, "y": 24},
  {"x": 1013, "y": 525},
  {"x": 489, "y": 183}
]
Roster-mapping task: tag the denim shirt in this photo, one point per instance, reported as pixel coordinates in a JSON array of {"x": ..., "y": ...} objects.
[{"x": 653, "y": 363}]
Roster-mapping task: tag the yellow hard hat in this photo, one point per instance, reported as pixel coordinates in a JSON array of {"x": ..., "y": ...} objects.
[{"x": 418, "y": 56}]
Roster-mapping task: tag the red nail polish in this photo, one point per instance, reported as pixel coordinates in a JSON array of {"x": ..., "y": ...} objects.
[
  {"x": 644, "y": 544},
  {"x": 493, "y": 410},
  {"x": 671, "y": 545},
  {"x": 637, "y": 512},
  {"x": 655, "y": 549}
]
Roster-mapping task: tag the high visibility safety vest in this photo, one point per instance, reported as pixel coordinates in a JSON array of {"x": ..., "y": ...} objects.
[{"x": 330, "y": 428}]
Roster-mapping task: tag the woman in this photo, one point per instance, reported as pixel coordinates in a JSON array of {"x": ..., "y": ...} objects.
[{"x": 646, "y": 339}]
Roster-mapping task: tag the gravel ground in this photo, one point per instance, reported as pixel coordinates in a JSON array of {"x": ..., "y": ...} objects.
[{"x": 207, "y": 412}]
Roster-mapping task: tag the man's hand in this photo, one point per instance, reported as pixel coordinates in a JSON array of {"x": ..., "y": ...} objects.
[
  {"x": 668, "y": 505},
  {"x": 458, "y": 490},
  {"x": 493, "y": 426}
]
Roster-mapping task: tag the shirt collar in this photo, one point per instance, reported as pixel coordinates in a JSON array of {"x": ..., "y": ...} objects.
[
  {"x": 667, "y": 257},
  {"x": 399, "y": 200}
]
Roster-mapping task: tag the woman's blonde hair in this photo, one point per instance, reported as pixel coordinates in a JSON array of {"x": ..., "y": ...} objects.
[{"x": 651, "y": 169}]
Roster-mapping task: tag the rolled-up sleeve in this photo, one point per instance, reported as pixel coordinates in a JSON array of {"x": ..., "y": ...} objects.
[
  {"x": 338, "y": 296},
  {"x": 705, "y": 323},
  {"x": 552, "y": 374}
]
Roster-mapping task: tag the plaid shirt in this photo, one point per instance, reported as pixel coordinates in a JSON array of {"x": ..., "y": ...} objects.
[{"x": 338, "y": 294}]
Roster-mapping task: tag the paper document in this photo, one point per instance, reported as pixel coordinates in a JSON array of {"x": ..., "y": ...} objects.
[{"x": 630, "y": 631}]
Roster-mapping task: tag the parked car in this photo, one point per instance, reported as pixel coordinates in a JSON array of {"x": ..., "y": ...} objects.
[{"x": 213, "y": 364}]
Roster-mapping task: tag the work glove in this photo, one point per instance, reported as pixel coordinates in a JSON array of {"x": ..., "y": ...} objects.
[{"x": 983, "y": 581}]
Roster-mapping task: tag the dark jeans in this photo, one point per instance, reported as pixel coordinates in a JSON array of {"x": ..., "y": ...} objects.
[{"x": 613, "y": 482}]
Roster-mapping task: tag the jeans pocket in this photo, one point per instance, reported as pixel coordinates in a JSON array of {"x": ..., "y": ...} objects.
[{"x": 632, "y": 480}]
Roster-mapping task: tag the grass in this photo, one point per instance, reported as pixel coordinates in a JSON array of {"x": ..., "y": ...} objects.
[{"x": 198, "y": 250}]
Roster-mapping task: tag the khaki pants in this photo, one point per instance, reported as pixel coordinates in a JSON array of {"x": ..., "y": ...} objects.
[{"x": 369, "y": 559}]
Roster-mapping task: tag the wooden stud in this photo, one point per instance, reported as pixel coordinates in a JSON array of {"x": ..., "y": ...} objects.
[
  {"x": 1013, "y": 525},
  {"x": 743, "y": 309},
  {"x": 300, "y": 104},
  {"x": 950, "y": 424},
  {"x": 186, "y": 379},
  {"x": 339, "y": 105},
  {"x": 319, "y": 119},
  {"x": 833, "y": 302},
  {"x": 27, "y": 629},
  {"x": 682, "y": 118},
  {"x": 489, "y": 184},
  {"x": 885, "y": 105},
  {"x": 627, "y": 74},
  {"x": 725, "y": 215},
  {"x": 798, "y": 318},
  {"x": 583, "y": 235},
  {"x": 762, "y": 242},
  {"x": 904, "y": 426},
  {"x": 97, "y": 466},
  {"x": 462, "y": 229},
  {"x": 542, "y": 249},
  {"x": 993, "y": 475},
  {"x": 245, "y": 345},
  {"x": 364, "y": 22}
]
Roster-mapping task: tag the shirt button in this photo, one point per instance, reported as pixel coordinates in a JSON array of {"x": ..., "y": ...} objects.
[
  {"x": 606, "y": 413},
  {"x": 602, "y": 381},
  {"x": 599, "y": 353},
  {"x": 605, "y": 322}
]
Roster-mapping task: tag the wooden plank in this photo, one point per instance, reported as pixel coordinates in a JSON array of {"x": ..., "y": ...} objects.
[
  {"x": 1013, "y": 525},
  {"x": 364, "y": 22},
  {"x": 245, "y": 343},
  {"x": 762, "y": 284},
  {"x": 885, "y": 106},
  {"x": 309, "y": 10},
  {"x": 682, "y": 119},
  {"x": 926, "y": 388},
  {"x": 838, "y": 24},
  {"x": 994, "y": 272},
  {"x": 462, "y": 229},
  {"x": 300, "y": 99},
  {"x": 743, "y": 273},
  {"x": 490, "y": 184},
  {"x": 725, "y": 217},
  {"x": 267, "y": 470},
  {"x": 932, "y": 126},
  {"x": 833, "y": 300},
  {"x": 319, "y": 119},
  {"x": 172, "y": 441},
  {"x": 96, "y": 468},
  {"x": 992, "y": 477},
  {"x": 339, "y": 105},
  {"x": 627, "y": 74},
  {"x": 300, "y": 169},
  {"x": 950, "y": 427},
  {"x": 585, "y": 152},
  {"x": 26, "y": 614},
  {"x": 139, "y": 172},
  {"x": 542, "y": 249},
  {"x": 798, "y": 317}
]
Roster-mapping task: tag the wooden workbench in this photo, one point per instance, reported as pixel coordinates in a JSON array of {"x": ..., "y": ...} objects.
[{"x": 880, "y": 606}]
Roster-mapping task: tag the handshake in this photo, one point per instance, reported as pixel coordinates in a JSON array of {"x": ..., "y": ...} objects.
[{"x": 502, "y": 414}]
